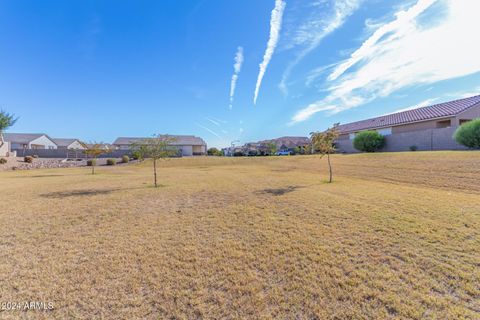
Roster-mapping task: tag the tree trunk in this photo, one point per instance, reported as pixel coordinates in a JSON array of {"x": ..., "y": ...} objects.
[
  {"x": 330, "y": 168},
  {"x": 93, "y": 168},
  {"x": 155, "y": 171}
]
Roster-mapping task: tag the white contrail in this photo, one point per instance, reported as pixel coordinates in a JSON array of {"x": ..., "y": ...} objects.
[
  {"x": 237, "y": 67},
  {"x": 275, "y": 27},
  {"x": 208, "y": 129},
  {"x": 213, "y": 121}
]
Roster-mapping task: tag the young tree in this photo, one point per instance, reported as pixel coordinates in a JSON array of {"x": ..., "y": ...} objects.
[
  {"x": 324, "y": 143},
  {"x": 6, "y": 121},
  {"x": 157, "y": 147},
  {"x": 272, "y": 148},
  {"x": 94, "y": 150}
]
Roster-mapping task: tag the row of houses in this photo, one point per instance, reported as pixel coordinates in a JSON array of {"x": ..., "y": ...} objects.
[
  {"x": 281, "y": 145},
  {"x": 427, "y": 128},
  {"x": 23, "y": 143}
]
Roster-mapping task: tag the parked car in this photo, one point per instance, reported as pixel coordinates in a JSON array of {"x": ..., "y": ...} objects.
[{"x": 283, "y": 153}]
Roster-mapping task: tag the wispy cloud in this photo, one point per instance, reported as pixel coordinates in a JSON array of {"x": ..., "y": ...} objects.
[
  {"x": 311, "y": 32},
  {"x": 403, "y": 53},
  {"x": 275, "y": 27},
  {"x": 208, "y": 130},
  {"x": 88, "y": 43},
  {"x": 425, "y": 103},
  {"x": 237, "y": 67}
]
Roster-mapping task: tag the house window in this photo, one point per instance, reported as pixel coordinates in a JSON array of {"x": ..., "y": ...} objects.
[
  {"x": 444, "y": 124},
  {"x": 351, "y": 136},
  {"x": 462, "y": 121},
  {"x": 385, "y": 132}
]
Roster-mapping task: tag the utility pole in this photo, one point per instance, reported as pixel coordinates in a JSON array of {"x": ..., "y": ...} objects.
[{"x": 232, "y": 150}]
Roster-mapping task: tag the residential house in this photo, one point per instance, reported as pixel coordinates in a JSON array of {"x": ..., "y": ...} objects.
[
  {"x": 427, "y": 128},
  {"x": 70, "y": 144},
  {"x": 25, "y": 141},
  {"x": 290, "y": 144},
  {"x": 262, "y": 148},
  {"x": 232, "y": 151},
  {"x": 186, "y": 145},
  {"x": 103, "y": 146}
]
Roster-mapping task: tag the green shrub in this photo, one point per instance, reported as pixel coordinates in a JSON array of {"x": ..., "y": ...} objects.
[
  {"x": 28, "y": 159},
  {"x": 368, "y": 141},
  {"x": 111, "y": 162},
  {"x": 3, "y": 160},
  {"x": 413, "y": 148},
  {"x": 136, "y": 155},
  {"x": 92, "y": 162},
  {"x": 469, "y": 134},
  {"x": 125, "y": 159}
]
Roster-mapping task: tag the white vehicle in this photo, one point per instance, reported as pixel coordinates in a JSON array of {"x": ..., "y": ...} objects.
[{"x": 283, "y": 153}]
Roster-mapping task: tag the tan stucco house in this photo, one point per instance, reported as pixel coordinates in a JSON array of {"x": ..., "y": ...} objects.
[
  {"x": 187, "y": 145},
  {"x": 26, "y": 141},
  {"x": 70, "y": 144},
  {"x": 427, "y": 128}
]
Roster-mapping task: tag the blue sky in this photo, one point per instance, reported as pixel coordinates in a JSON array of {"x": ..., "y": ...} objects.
[{"x": 229, "y": 70}]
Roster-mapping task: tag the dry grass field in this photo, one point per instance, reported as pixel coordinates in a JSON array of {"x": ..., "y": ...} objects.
[{"x": 396, "y": 236}]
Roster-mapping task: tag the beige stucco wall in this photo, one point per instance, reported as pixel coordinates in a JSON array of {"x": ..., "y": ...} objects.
[
  {"x": 44, "y": 142},
  {"x": 5, "y": 149},
  {"x": 470, "y": 114},
  {"x": 199, "y": 149},
  {"x": 76, "y": 145},
  {"x": 432, "y": 124}
]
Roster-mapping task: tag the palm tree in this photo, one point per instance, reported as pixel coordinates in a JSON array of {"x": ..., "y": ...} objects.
[{"x": 6, "y": 121}]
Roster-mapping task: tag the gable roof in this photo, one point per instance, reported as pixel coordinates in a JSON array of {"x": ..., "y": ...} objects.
[
  {"x": 61, "y": 142},
  {"x": 441, "y": 110},
  {"x": 104, "y": 146},
  {"x": 23, "y": 138},
  {"x": 178, "y": 140}
]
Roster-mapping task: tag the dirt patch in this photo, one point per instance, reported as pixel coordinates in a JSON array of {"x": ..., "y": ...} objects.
[
  {"x": 77, "y": 193},
  {"x": 279, "y": 191}
]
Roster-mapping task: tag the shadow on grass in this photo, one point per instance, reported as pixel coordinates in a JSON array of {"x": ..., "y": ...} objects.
[
  {"x": 42, "y": 176},
  {"x": 84, "y": 193},
  {"x": 279, "y": 191}
]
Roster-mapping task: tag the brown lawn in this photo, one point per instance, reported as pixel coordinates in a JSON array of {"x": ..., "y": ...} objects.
[{"x": 395, "y": 236}]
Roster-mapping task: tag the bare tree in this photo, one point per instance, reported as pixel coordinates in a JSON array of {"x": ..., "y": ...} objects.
[
  {"x": 158, "y": 147},
  {"x": 324, "y": 143},
  {"x": 94, "y": 150},
  {"x": 6, "y": 121}
]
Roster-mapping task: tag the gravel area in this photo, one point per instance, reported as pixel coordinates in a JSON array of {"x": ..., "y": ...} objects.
[{"x": 42, "y": 163}]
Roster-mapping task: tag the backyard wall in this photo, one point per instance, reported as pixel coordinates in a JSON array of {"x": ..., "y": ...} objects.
[
  {"x": 425, "y": 140},
  {"x": 5, "y": 149},
  {"x": 63, "y": 153}
]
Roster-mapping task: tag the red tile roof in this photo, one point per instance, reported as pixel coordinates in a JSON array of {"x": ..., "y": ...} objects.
[{"x": 442, "y": 110}]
